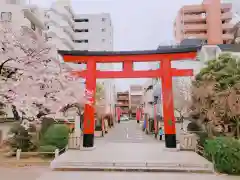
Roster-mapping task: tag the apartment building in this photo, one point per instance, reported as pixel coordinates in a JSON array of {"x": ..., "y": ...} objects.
[
  {"x": 136, "y": 98},
  {"x": 209, "y": 22},
  {"x": 16, "y": 12},
  {"x": 86, "y": 32},
  {"x": 57, "y": 24},
  {"x": 123, "y": 101}
]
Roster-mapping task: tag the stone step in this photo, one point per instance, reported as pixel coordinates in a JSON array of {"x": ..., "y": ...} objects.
[{"x": 131, "y": 166}]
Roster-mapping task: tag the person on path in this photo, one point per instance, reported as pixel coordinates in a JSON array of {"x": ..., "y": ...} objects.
[
  {"x": 106, "y": 125},
  {"x": 160, "y": 132},
  {"x": 144, "y": 124}
]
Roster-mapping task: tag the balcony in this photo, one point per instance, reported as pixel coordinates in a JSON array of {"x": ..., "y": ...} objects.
[
  {"x": 123, "y": 104},
  {"x": 193, "y": 9},
  {"x": 122, "y": 93},
  {"x": 66, "y": 41},
  {"x": 194, "y": 18},
  {"x": 125, "y": 111},
  {"x": 33, "y": 17},
  {"x": 226, "y": 16},
  {"x": 228, "y": 37},
  {"x": 195, "y": 27},
  {"x": 124, "y": 98},
  {"x": 136, "y": 103},
  {"x": 136, "y": 93},
  {"x": 227, "y": 26},
  {"x": 226, "y": 7},
  {"x": 195, "y": 35}
]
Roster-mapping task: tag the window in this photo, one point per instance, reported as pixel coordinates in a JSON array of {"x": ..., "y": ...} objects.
[
  {"x": 33, "y": 26},
  {"x": 103, "y": 19},
  {"x": 81, "y": 30},
  {"x": 103, "y": 30},
  {"x": 81, "y": 41},
  {"x": 81, "y": 20},
  {"x": 6, "y": 16}
]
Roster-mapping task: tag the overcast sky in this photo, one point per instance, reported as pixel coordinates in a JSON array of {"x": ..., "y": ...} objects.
[{"x": 138, "y": 24}]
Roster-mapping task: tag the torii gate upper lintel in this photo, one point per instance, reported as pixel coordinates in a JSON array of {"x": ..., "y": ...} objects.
[{"x": 164, "y": 56}]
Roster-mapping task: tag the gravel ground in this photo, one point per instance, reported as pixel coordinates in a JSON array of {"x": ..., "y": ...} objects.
[{"x": 23, "y": 173}]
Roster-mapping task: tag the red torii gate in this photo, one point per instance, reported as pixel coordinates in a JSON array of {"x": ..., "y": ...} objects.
[{"x": 165, "y": 56}]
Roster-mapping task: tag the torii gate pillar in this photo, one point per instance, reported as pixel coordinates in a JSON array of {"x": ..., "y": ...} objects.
[
  {"x": 89, "y": 120},
  {"x": 168, "y": 106}
]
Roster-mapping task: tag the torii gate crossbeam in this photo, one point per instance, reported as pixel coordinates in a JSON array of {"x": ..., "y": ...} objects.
[{"x": 164, "y": 56}]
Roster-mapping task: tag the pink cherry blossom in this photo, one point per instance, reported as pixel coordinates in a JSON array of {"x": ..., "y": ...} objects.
[{"x": 32, "y": 77}]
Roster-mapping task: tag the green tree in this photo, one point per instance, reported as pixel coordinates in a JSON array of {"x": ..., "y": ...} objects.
[{"x": 99, "y": 91}]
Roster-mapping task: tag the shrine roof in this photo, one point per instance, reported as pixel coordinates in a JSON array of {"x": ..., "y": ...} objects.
[{"x": 162, "y": 50}]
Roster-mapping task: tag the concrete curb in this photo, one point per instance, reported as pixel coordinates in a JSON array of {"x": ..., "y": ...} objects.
[
  {"x": 23, "y": 164},
  {"x": 167, "y": 170},
  {"x": 87, "y": 148}
]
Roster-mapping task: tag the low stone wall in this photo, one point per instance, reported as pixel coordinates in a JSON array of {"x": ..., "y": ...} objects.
[
  {"x": 74, "y": 142},
  {"x": 188, "y": 141}
]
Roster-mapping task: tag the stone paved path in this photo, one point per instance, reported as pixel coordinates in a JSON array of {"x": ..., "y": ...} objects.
[
  {"x": 126, "y": 143},
  {"x": 128, "y": 132},
  {"x": 127, "y": 146}
]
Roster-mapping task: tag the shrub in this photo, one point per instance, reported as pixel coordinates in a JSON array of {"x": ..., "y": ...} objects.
[
  {"x": 225, "y": 152},
  {"x": 193, "y": 126},
  {"x": 56, "y": 135},
  {"x": 203, "y": 136},
  {"x": 20, "y": 138},
  {"x": 48, "y": 150},
  {"x": 46, "y": 123}
]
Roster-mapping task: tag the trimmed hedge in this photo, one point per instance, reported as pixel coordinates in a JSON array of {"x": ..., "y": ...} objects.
[
  {"x": 225, "y": 152},
  {"x": 56, "y": 135},
  {"x": 48, "y": 150}
]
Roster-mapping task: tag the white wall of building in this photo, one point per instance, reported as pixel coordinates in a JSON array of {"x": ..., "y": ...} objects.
[
  {"x": 148, "y": 97},
  {"x": 93, "y": 32}
]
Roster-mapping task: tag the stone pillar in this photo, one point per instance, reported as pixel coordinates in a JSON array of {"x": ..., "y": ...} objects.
[
  {"x": 75, "y": 141},
  {"x": 77, "y": 129}
]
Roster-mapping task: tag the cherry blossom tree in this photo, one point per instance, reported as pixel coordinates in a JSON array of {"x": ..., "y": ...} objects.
[
  {"x": 182, "y": 98},
  {"x": 32, "y": 79}
]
